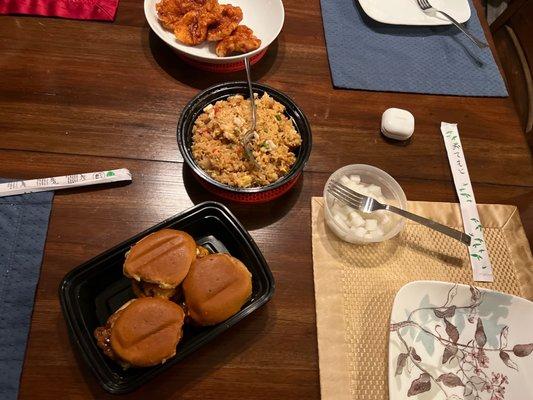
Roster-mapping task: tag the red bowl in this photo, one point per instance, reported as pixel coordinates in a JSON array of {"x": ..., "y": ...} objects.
[
  {"x": 243, "y": 195},
  {"x": 221, "y": 68},
  {"x": 259, "y": 197}
]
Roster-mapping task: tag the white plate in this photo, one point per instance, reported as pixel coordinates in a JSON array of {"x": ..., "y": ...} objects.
[
  {"x": 439, "y": 319},
  {"x": 264, "y": 17},
  {"x": 407, "y": 12}
]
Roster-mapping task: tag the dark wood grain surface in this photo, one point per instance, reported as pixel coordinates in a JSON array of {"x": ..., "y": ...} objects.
[{"x": 80, "y": 96}]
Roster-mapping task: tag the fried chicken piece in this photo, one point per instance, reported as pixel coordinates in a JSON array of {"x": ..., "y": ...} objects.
[
  {"x": 242, "y": 40},
  {"x": 170, "y": 12},
  {"x": 192, "y": 28},
  {"x": 102, "y": 334},
  {"x": 228, "y": 19},
  {"x": 201, "y": 5},
  {"x": 201, "y": 251}
]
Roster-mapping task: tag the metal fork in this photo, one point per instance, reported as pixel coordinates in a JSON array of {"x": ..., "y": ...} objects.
[
  {"x": 425, "y": 6},
  {"x": 250, "y": 133},
  {"x": 368, "y": 204}
]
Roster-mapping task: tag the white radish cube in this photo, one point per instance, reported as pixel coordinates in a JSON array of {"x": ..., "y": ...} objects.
[
  {"x": 335, "y": 208},
  {"x": 350, "y": 237},
  {"x": 371, "y": 224},
  {"x": 341, "y": 222},
  {"x": 344, "y": 217},
  {"x": 355, "y": 179},
  {"x": 356, "y": 234},
  {"x": 339, "y": 209},
  {"x": 346, "y": 209},
  {"x": 384, "y": 220},
  {"x": 369, "y": 236},
  {"x": 360, "y": 232},
  {"x": 353, "y": 186},
  {"x": 375, "y": 190},
  {"x": 377, "y": 236},
  {"x": 355, "y": 219},
  {"x": 345, "y": 180},
  {"x": 363, "y": 190}
]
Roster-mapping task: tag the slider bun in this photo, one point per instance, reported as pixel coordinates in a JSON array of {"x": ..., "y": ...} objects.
[
  {"x": 147, "y": 331},
  {"x": 163, "y": 257},
  {"x": 216, "y": 288}
]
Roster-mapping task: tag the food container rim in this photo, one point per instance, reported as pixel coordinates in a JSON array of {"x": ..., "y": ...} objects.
[
  {"x": 69, "y": 288},
  {"x": 396, "y": 189},
  {"x": 192, "y": 109}
]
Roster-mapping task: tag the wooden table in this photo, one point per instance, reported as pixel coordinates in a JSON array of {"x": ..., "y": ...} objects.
[{"x": 81, "y": 96}]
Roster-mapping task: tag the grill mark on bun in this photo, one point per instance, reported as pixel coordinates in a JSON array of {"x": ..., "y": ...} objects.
[
  {"x": 154, "y": 252},
  {"x": 212, "y": 294},
  {"x": 138, "y": 340},
  {"x": 144, "y": 332},
  {"x": 163, "y": 258},
  {"x": 216, "y": 288}
]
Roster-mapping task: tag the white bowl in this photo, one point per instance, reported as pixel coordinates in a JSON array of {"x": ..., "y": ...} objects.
[
  {"x": 264, "y": 17},
  {"x": 390, "y": 189}
]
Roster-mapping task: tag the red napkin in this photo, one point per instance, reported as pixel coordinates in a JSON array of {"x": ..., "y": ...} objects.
[{"x": 102, "y": 10}]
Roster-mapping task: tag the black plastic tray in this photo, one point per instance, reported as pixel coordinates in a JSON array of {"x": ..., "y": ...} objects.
[{"x": 90, "y": 293}]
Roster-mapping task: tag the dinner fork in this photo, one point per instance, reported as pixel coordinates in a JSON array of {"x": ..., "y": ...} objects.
[
  {"x": 250, "y": 133},
  {"x": 425, "y": 6},
  {"x": 368, "y": 204}
]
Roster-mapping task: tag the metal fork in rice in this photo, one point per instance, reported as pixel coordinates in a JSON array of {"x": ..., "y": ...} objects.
[{"x": 250, "y": 133}]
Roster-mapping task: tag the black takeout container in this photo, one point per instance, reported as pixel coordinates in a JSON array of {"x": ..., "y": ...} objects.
[
  {"x": 90, "y": 293},
  {"x": 222, "y": 91}
]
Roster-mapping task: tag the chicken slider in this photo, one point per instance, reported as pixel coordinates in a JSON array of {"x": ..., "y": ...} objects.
[
  {"x": 216, "y": 288},
  {"x": 142, "y": 333},
  {"x": 159, "y": 262}
]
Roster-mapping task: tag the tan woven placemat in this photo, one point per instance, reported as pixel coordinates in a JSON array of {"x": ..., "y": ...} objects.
[{"x": 355, "y": 287}]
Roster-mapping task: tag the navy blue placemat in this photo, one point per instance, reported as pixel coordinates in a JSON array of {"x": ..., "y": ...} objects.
[
  {"x": 23, "y": 227},
  {"x": 365, "y": 54}
]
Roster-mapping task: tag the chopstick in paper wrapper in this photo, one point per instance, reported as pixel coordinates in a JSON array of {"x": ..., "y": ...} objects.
[
  {"x": 64, "y": 182},
  {"x": 479, "y": 255}
]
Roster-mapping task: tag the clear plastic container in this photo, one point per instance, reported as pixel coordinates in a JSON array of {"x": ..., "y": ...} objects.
[{"x": 390, "y": 189}]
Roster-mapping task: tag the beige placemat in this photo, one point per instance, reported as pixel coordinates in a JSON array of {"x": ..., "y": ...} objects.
[{"x": 355, "y": 287}]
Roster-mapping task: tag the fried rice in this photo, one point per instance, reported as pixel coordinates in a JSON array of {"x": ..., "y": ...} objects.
[{"x": 217, "y": 147}]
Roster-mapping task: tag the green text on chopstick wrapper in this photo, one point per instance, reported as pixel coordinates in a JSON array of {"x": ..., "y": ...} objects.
[
  {"x": 64, "y": 182},
  {"x": 479, "y": 256}
]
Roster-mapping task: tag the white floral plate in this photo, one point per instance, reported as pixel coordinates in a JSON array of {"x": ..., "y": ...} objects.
[{"x": 450, "y": 342}]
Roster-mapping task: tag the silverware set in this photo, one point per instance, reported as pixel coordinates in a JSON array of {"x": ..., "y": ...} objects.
[
  {"x": 428, "y": 8},
  {"x": 368, "y": 204}
]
